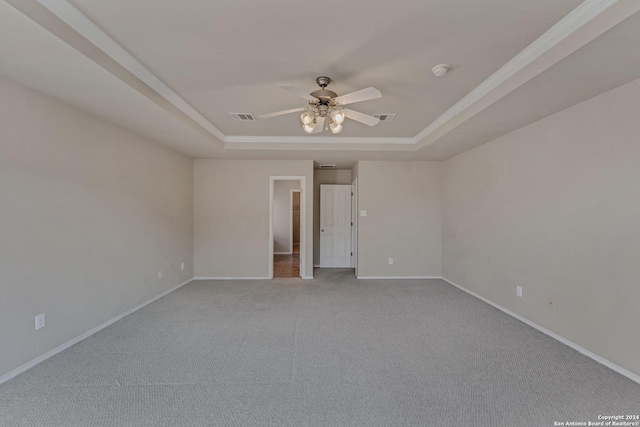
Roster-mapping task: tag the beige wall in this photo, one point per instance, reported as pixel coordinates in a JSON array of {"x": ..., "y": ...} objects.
[
  {"x": 231, "y": 215},
  {"x": 337, "y": 176},
  {"x": 283, "y": 215},
  {"x": 554, "y": 207},
  {"x": 89, "y": 213},
  {"x": 403, "y": 221}
]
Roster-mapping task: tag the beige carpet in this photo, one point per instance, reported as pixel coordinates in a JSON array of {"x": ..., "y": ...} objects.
[{"x": 334, "y": 351}]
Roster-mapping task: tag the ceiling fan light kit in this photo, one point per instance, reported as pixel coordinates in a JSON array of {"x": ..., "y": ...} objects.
[{"x": 326, "y": 107}]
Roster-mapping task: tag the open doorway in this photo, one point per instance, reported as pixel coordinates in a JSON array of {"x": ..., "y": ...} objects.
[
  {"x": 295, "y": 222},
  {"x": 286, "y": 226}
]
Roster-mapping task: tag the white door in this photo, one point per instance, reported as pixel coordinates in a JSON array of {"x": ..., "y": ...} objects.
[{"x": 335, "y": 226}]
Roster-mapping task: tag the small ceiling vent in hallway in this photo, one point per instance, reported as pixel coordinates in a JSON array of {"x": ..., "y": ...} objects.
[
  {"x": 326, "y": 166},
  {"x": 385, "y": 117},
  {"x": 243, "y": 117}
]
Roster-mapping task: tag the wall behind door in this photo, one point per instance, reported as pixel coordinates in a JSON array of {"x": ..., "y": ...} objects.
[
  {"x": 282, "y": 215},
  {"x": 296, "y": 217}
]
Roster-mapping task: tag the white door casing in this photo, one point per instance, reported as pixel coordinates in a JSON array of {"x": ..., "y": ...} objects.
[
  {"x": 354, "y": 224},
  {"x": 335, "y": 226}
]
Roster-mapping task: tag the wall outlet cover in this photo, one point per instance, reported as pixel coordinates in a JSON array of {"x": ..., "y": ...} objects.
[
  {"x": 519, "y": 291},
  {"x": 40, "y": 321}
]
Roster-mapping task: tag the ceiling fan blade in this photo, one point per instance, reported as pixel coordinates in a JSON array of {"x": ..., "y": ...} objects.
[
  {"x": 361, "y": 117},
  {"x": 358, "y": 96},
  {"x": 298, "y": 92},
  {"x": 280, "y": 113},
  {"x": 319, "y": 125}
]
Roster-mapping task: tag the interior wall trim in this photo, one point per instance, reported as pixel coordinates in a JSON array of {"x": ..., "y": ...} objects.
[
  {"x": 75, "y": 19},
  {"x": 609, "y": 364},
  {"x": 20, "y": 369},
  {"x": 576, "y": 19},
  {"x": 563, "y": 29}
]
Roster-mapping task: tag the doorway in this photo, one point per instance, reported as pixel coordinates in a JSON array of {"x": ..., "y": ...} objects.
[
  {"x": 287, "y": 226},
  {"x": 295, "y": 221}
]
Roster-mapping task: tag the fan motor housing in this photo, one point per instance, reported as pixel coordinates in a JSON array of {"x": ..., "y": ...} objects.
[{"x": 325, "y": 96}]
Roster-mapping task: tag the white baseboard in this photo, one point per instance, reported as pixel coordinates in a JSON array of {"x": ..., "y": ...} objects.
[
  {"x": 396, "y": 277},
  {"x": 282, "y": 253},
  {"x": 307, "y": 277},
  {"x": 316, "y": 266},
  {"x": 232, "y": 278},
  {"x": 609, "y": 364},
  {"x": 11, "y": 374}
]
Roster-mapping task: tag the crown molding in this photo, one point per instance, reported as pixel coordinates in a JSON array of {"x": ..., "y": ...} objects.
[
  {"x": 75, "y": 19},
  {"x": 479, "y": 98},
  {"x": 568, "y": 25},
  {"x": 317, "y": 139}
]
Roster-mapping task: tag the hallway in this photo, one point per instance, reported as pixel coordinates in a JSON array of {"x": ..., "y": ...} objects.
[{"x": 287, "y": 265}]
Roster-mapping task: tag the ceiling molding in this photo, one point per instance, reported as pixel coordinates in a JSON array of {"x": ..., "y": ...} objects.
[
  {"x": 568, "y": 25},
  {"x": 75, "y": 19},
  {"x": 485, "y": 94},
  {"x": 317, "y": 139}
]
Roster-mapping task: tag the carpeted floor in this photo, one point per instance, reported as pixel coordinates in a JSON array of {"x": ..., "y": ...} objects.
[{"x": 334, "y": 351}]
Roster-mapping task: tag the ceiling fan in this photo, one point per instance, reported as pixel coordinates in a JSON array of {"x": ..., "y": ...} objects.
[{"x": 327, "y": 108}]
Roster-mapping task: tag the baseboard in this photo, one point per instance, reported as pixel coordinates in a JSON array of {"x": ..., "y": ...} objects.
[
  {"x": 307, "y": 277},
  {"x": 316, "y": 266},
  {"x": 282, "y": 253},
  {"x": 11, "y": 374},
  {"x": 396, "y": 277},
  {"x": 231, "y": 278},
  {"x": 609, "y": 364}
]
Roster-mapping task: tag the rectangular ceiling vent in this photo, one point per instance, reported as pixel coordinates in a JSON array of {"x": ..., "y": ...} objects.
[
  {"x": 385, "y": 117},
  {"x": 326, "y": 166},
  {"x": 243, "y": 117}
]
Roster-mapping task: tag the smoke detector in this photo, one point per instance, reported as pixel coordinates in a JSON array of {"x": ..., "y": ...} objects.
[{"x": 440, "y": 70}]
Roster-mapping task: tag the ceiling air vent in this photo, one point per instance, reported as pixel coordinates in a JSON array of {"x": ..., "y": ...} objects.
[
  {"x": 385, "y": 117},
  {"x": 243, "y": 117},
  {"x": 326, "y": 166}
]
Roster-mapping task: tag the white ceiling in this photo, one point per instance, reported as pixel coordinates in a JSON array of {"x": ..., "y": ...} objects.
[{"x": 211, "y": 58}]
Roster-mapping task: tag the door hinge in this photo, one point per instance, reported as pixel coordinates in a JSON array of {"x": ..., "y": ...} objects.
[
  {"x": 352, "y": 194},
  {"x": 352, "y": 223},
  {"x": 351, "y": 253}
]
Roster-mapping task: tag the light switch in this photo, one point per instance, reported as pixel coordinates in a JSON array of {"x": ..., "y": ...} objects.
[{"x": 363, "y": 213}]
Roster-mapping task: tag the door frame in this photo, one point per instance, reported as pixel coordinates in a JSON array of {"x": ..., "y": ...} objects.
[
  {"x": 303, "y": 210},
  {"x": 291, "y": 218},
  {"x": 354, "y": 227}
]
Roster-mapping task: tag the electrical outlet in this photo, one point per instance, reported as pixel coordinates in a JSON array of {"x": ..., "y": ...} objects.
[
  {"x": 363, "y": 213},
  {"x": 390, "y": 261},
  {"x": 519, "y": 291},
  {"x": 39, "y": 321},
  {"x": 159, "y": 274},
  {"x": 182, "y": 266}
]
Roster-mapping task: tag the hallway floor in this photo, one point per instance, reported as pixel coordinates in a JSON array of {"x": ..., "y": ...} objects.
[{"x": 287, "y": 265}]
